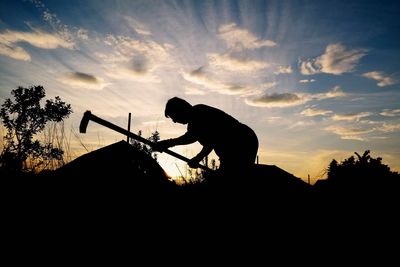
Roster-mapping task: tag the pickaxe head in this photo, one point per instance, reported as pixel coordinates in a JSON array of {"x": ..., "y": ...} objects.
[{"x": 85, "y": 121}]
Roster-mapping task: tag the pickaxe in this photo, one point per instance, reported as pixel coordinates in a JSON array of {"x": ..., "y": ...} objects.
[{"x": 88, "y": 116}]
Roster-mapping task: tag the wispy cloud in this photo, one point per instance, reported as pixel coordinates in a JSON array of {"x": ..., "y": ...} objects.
[
  {"x": 380, "y": 77},
  {"x": 311, "y": 112},
  {"x": 83, "y": 80},
  {"x": 336, "y": 60},
  {"x": 292, "y": 99},
  {"x": 205, "y": 79},
  {"x": 138, "y": 27},
  {"x": 83, "y": 34},
  {"x": 134, "y": 59},
  {"x": 309, "y": 67},
  {"x": 390, "y": 112},
  {"x": 334, "y": 93},
  {"x": 69, "y": 34},
  {"x": 190, "y": 90},
  {"x": 239, "y": 38},
  {"x": 307, "y": 81},
  {"x": 235, "y": 71},
  {"x": 232, "y": 63},
  {"x": 390, "y": 127},
  {"x": 283, "y": 70},
  {"x": 9, "y": 41},
  {"x": 302, "y": 124},
  {"x": 125, "y": 48},
  {"x": 352, "y": 127},
  {"x": 122, "y": 57},
  {"x": 266, "y": 86},
  {"x": 277, "y": 100},
  {"x": 351, "y": 116},
  {"x": 350, "y": 133}
]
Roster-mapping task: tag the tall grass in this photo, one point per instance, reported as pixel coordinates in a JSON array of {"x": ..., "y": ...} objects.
[{"x": 56, "y": 135}]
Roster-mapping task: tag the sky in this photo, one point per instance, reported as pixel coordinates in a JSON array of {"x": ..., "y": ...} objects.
[{"x": 316, "y": 80}]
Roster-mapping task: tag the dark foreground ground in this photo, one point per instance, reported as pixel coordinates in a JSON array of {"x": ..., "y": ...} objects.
[
  {"x": 121, "y": 177},
  {"x": 281, "y": 195},
  {"x": 262, "y": 220},
  {"x": 117, "y": 197}
]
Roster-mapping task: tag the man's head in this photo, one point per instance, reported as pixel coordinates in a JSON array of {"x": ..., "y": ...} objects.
[{"x": 178, "y": 110}]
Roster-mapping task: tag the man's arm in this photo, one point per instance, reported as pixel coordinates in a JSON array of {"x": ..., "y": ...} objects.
[
  {"x": 204, "y": 152},
  {"x": 194, "y": 162},
  {"x": 181, "y": 140}
]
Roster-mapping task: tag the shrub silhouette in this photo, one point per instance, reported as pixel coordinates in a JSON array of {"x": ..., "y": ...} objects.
[
  {"x": 155, "y": 137},
  {"x": 23, "y": 118},
  {"x": 360, "y": 170}
]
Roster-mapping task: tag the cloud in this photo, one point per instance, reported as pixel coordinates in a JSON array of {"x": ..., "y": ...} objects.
[
  {"x": 239, "y": 39},
  {"x": 349, "y": 133},
  {"x": 390, "y": 127},
  {"x": 234, "y": 72},
  {"x": 9, "y": 43},
  {"x": 283, "y": 70},
  {"x": 127, "y": 71},
  {"x": 307, "y": 81},
  {"x": 308, "y": 67},
  {"x": 14, "y": 52},
  {"x": 83, "y": 80},
  {"x": 292, "y": 99},
  {"x": 334, "y": 93},
  {"x": 137, "y": 26},
  {"x": 270, "y": 85},
  {"x": 201, "y": 77},
  {"x": 274, "y": 119},
  {"x": 354, "y": 129},
  {"x": 336, "y": 60},
  {"x": 310, "y": 112},
  {"x": 276, "y": 100},
  {"x": 189, "y": 90},
  {"x": 390, "y": 112},
  {"x": 351, "y": 116},
  {"x": 301, "y": 124},
  {"x": 83, "y": 34},
  {"x": 140, "y": 64},
  {"x": 134, "y": 59},
  {"x": 125, "y": 48},
  {"x": 380, "y": 77},
  {"x": 64, "y": 31},
  {"x": 231, "y": 63}
]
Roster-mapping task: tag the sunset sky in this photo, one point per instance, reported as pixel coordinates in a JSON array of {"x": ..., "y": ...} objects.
[{"x": 316, "y": 80}]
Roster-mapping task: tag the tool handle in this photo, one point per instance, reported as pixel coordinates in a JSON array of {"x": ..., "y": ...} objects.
[{"x": 139, "y": 138}]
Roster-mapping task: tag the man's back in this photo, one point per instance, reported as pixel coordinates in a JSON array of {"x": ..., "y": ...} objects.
[{"x": 210, "y": 124}]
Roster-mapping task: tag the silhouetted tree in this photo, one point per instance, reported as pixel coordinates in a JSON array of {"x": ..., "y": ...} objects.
[
  {"x": 361, "y": 169},
  {"x": 23, "y": 118},
  {"x": 332, "y": 169},
  {"x": 138, "y": 145},
  {"x": 155, "y": 137}
]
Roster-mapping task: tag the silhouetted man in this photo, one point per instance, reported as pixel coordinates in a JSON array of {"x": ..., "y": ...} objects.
[{"x": 234, "y": 143}]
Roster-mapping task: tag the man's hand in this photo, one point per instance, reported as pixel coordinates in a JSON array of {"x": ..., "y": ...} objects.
[
  {"x": 194, "y": 163},
  {"x": 163, "y": 145}
]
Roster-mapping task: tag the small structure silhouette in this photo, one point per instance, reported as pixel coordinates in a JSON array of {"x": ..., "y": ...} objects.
[{"x": 118, "y": 158}]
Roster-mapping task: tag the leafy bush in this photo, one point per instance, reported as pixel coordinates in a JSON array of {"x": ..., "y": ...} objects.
[
  {"x": 23, "y": 118},
  {"x": 363, "y": 167}
]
